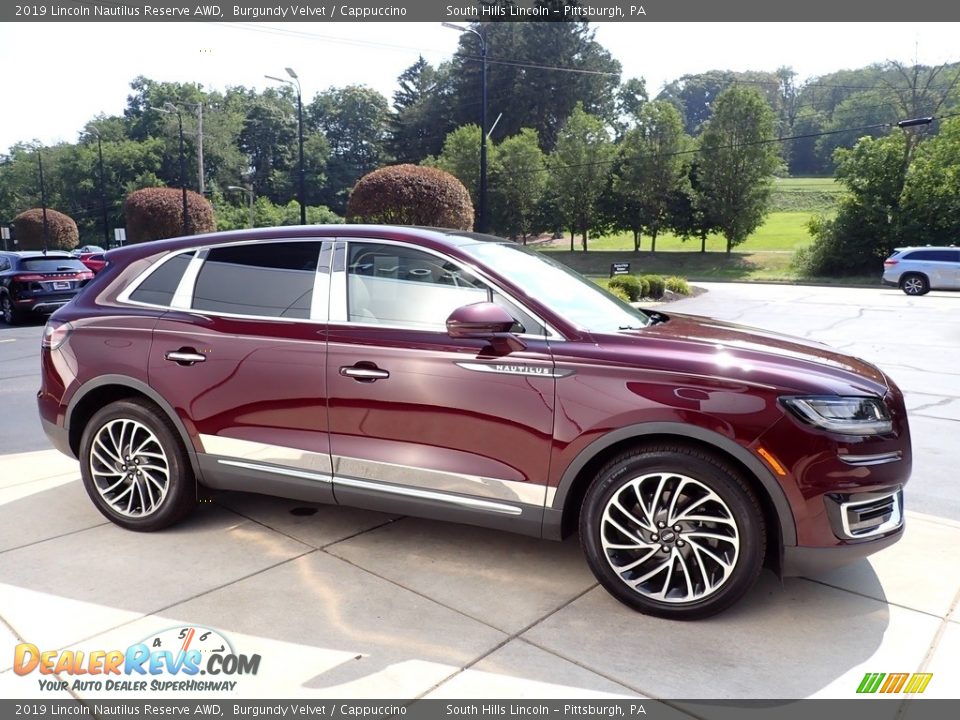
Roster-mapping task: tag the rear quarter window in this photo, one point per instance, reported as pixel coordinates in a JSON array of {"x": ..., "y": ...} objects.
[{"x": 161, "y": 284}]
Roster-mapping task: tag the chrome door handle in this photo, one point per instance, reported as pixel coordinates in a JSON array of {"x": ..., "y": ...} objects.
[
  {"x": 183, "y": 356},
  {"x": 364, "y": 373}
]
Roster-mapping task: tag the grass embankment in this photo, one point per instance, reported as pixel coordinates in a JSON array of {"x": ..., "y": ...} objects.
[{"x": 765, "y": 256}]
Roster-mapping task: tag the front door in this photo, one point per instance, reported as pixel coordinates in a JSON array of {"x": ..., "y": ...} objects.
[{"x": 422, "y": 422}]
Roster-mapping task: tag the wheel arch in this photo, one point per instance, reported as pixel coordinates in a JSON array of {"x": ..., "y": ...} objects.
[
  {"x": 106, "y": 389},
  {"x": 560, "y": 518}
]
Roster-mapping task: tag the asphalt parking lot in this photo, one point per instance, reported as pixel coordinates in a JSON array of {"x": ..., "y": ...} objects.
[{"x": 348, "y": 603}]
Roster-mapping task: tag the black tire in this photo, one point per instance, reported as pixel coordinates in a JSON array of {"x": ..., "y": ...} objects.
[
  {"x": 915, "y": 284},
  {"x": 126, "y": 424},
  {"x": 10, "y": 314},
  {"x": 693, "y": 585}
]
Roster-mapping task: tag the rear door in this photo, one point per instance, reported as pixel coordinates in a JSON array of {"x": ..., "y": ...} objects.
[
  {"x": 424, "y": 423},
  {"x": 243, "y": 353}
]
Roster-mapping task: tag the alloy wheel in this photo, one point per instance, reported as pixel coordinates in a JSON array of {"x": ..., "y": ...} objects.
[
  {"x": 670, "y": 537},
  {"x": 129, "y": 467},
  {"x": 913, "y": 285},
  {"x": 7, "y": 309}
]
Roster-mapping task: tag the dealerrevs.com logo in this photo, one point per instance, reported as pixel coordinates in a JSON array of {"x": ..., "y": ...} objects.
[{"x": 169, "y": 660}]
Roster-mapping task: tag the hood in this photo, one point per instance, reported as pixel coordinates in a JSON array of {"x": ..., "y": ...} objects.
[{"x": 725, "y": 349}]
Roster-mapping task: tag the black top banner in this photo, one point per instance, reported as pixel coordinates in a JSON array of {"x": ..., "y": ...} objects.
[{"x": 484, "y": 10}]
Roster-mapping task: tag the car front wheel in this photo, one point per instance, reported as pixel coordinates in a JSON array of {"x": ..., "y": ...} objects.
[
  {"x": 134, "y": 466},
  {"x": 673, "y": 532},
  {"x": 914, "y": 284}
]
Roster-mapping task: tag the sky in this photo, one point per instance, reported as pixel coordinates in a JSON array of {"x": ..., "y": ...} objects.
[{"x": 54, "y": 77}]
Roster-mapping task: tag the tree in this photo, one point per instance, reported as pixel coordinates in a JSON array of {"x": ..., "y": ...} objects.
[
  {"x": 422, "y": 115},
  {"x": 738, "y": 158},
  {"x": 461, "y": 158},
  {"x": 517, "y": 184},
  {"x": 650, "y": 171},
  {"x": 528, "y": 62},
  {"x": 931, "y": 197},
  {"x": 578, "y": 168},
  {"x": 354, "y": 119},
  {"x": 411, "y": 195}
]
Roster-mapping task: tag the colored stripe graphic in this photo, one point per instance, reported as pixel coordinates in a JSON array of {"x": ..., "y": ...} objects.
[
  {"x": 870, "y": 682},
  {"x": 918, "y": 683},
  {"x": 895, "y": 682}
]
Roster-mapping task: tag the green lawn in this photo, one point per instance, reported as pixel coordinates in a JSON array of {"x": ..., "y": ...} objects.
[{"x": 782, "y": 231}]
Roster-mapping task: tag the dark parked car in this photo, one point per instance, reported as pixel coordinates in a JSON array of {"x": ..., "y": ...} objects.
[
  {"x": 446, "y": 375},
  {"x": 38, "y": 283}
]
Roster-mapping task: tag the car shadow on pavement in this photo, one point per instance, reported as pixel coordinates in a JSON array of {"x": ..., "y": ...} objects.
[{"x": 386, "y": 607}]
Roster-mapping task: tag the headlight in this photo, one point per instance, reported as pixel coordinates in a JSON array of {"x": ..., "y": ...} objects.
[{"x": 846, "y": 415}]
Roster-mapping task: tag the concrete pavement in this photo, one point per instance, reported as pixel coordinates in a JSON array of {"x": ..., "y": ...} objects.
[{"x": 349, "y": 603}]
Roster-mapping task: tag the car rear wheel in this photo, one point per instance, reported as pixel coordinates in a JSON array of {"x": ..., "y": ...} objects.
[
  {"x": 673, "y": 532},
  {"x": 10, "y": 314},
  {"x": 134, "y": 466},
  {"x": 914, "y": 284}
]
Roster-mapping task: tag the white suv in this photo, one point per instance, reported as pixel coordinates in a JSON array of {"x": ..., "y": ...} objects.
[{"x": 918, "y": 270}]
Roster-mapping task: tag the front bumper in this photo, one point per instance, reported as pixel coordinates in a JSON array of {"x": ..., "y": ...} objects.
[{"x": 807, "y": 561}]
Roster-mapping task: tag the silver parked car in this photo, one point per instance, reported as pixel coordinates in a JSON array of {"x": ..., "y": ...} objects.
[{"x": 918, "y": 270}]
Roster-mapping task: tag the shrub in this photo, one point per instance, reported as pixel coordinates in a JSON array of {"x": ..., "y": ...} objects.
[
  {"x": 656, "y": 286},
  {"x": 678, "y": 285},
  {"x": 629, "y": 285},
  {"x": 156, "y": 213},
  {"x": 644, "y": 287},
  {"x": 62, "y": 233},
  {"x": 411, "y": 195},
  {"x": 619, "y": 292}
]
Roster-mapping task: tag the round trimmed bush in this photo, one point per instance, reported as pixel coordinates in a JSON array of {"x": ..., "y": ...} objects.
[
  {"x": 157, "y": 212},
  {"x": 644, "y": 287},
  {"x": 411, "y": 195},
  {"x": 630, "y": 285},
  {"x": 618, "y": 292},
  {"x": 62, "y": 233}
]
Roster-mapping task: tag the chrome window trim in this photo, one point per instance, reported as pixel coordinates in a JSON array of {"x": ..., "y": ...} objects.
[
  {"x": 124, "y": 296},
  {"x": 337, "y": 310},
  {"x": 183, "y": 296},
  {"x": 320, "y": 302},
  {"x": 342, "y": 319}
]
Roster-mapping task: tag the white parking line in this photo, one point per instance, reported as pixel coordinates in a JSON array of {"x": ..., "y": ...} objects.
[{"x": 6, "y": 341}]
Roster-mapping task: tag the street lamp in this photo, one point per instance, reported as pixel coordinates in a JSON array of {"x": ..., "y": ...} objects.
[
  {"x": 249, "y": 192},
  {"x": 482, "y": 193},
  {"x": 295, "y": 82},
  {"x": 170, "y": 109},
  {"x": 43, "y": 200},
  {"x": 103, "y": 195}
]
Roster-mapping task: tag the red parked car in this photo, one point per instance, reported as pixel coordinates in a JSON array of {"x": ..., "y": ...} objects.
[
  {"x": 449, "y": 375},
  {"x": 94, "y": 261}
]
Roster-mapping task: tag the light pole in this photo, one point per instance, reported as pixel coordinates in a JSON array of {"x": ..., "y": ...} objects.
[
  {"x": 103, "y": 192},
  {"x": 482, "y": 225},
  {"x": 170, "y": 109},
  {"x": 295, "y": 82},
  {"x": 43, "y": 200},
  {"x": 249, "y": 192}
]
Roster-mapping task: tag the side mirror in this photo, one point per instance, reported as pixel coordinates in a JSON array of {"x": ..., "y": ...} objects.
[{"x": 483, "y": 321}]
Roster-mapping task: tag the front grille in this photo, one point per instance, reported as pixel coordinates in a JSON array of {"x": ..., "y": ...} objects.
[{"x": 866, "y": 515}]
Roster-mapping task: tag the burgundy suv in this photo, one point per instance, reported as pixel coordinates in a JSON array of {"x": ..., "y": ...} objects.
[{"x": 455, "y": 376}]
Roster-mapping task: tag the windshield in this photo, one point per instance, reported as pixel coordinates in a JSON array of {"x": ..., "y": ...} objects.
[{"x": 568, "y": 294}]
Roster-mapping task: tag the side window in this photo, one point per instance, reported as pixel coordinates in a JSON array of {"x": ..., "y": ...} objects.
[
  {"x": 396, "y": 285},
  {"x": 267, "y": 279},
  {"x": 161, "y": 284},
  {"x": 4, "y": 264},
  {"x": 933, "y": 255}
]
